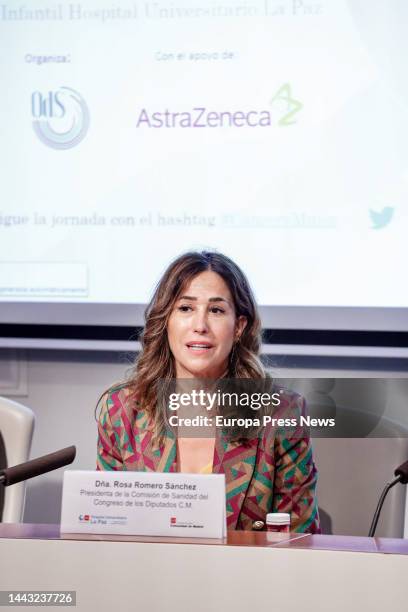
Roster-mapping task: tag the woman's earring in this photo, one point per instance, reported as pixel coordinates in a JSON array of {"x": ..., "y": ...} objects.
[{"x": 233, "y": 353}]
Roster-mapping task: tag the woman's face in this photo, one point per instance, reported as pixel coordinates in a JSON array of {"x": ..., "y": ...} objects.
[{"x": 203, "y": 327}]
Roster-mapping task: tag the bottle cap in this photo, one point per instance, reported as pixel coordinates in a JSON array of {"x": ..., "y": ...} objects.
[{"x": 278, "y": 518}]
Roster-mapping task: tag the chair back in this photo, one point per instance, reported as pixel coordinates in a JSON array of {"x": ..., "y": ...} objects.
[{"x": 16, "y": 432}]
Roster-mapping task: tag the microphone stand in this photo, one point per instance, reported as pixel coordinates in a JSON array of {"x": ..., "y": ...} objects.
[{"x": 380, "y": 505}]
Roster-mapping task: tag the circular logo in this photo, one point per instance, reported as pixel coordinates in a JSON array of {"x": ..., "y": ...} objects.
[{"x": 60, "y": 118}]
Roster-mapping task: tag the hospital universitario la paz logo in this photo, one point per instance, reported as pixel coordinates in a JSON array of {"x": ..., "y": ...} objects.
[{"x": 60, "y": 117}]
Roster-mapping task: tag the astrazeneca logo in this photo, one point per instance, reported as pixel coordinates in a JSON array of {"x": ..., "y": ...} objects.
[{"x": 60, "y": 118}]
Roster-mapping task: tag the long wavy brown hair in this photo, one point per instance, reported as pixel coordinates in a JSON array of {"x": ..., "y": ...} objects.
[{"x": 155, "y": 361}]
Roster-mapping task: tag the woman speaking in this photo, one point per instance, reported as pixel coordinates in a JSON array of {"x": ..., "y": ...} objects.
[{"x": 202, "y": 323}]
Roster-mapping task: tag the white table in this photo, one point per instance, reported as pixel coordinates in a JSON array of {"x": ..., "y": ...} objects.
[{"x": 251, "y": 571}]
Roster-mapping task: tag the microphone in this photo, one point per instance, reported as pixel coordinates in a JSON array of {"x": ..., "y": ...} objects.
[
  {"x": 402, "y": 476},
  {"x": 36, "y": 467},
  {"x": 402, "y": 472}
]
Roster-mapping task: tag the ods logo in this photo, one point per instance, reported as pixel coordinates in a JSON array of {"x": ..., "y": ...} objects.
[{"x": 60, "y": 118}]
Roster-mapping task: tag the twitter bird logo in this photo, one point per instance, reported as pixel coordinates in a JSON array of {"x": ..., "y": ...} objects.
[{"x": 382, "y": 218}]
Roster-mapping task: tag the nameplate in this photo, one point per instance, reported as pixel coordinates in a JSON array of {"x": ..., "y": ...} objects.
[{"x": 144, "y": 503}]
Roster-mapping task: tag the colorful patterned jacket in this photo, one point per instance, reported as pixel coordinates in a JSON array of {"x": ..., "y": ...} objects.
[{"x": 270, "y": 473}]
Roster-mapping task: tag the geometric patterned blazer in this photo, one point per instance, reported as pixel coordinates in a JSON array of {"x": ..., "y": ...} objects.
[{"x": 270, "y": 473}]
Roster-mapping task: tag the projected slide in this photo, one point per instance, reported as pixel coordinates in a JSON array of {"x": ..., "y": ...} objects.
[{"x": 273, "y": 131}]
